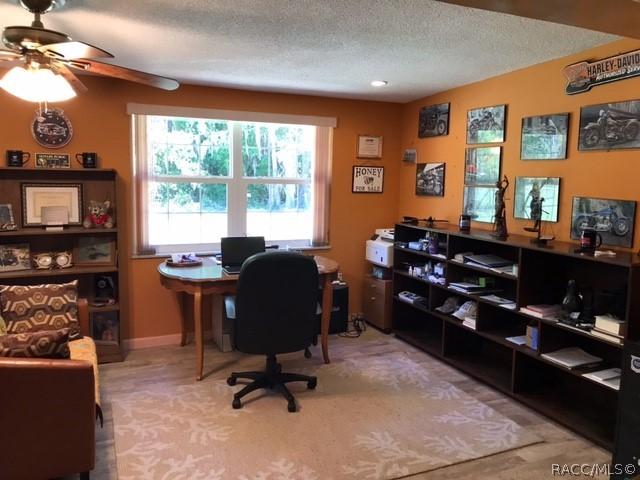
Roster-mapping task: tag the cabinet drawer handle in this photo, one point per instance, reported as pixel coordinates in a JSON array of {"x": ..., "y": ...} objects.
[{"x": 373, "y": 298}]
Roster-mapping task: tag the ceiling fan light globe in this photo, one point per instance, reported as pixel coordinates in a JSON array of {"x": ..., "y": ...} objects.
[{"x": 37, "y": 85}]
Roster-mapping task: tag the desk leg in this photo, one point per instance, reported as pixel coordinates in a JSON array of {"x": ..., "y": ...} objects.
[
  {"x": 197, "y": 320},
  {"x": 327, "y": 306},
  {"x": 182, "y": 303}
]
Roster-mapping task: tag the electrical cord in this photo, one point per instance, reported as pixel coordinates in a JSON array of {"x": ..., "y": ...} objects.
[{"x": 355, "y": 327}]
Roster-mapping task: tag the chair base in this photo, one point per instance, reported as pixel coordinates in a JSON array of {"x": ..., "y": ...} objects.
[{"x": 272, "y": 378}]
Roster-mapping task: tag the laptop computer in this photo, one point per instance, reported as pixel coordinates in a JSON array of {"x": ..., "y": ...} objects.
[{"x": 235, "y": 250}]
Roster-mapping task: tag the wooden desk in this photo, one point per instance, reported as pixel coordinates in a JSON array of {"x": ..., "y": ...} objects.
[{"x": 210, "y": 279}]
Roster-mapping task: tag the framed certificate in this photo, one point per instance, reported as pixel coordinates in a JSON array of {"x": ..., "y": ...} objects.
[
  {"x": 38, "y": 195},
  {"x": 369, "y": 146}
]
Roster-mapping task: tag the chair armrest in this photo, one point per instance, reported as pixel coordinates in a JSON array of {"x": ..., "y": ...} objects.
[
  {"x": 48, "y": 414},
  {"x": 83, "y": 316}
]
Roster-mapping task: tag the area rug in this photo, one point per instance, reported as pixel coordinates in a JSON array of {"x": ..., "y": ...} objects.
[{"x": 380, "y": 416}]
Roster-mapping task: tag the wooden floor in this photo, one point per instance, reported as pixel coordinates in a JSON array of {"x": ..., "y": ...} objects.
[{"x": 172, "y": 366}]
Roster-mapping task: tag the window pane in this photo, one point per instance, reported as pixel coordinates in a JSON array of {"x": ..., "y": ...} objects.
[
  {"x": 188, "y": 146},
  {"x": 187, "y": 213},
  {"x": 277, "y": 151},
  {"x": 279, "y": 212}
]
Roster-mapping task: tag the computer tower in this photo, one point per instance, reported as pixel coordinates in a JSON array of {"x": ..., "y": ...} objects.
[
  {"x": 340, "y": 311},
  {"x": 626, "y": 456}
]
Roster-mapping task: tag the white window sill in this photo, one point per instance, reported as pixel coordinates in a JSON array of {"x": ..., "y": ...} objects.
[{"x": 209, "y": 254}]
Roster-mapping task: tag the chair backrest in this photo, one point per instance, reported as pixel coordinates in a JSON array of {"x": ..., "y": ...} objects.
[{"x": 276, "y": 303}]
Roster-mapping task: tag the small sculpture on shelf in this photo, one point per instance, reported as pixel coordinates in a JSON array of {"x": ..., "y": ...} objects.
[
  {"x": 535, "y": 207},
  {"x": 500, "y": 217},
  {"x": 98, "y": 216}
]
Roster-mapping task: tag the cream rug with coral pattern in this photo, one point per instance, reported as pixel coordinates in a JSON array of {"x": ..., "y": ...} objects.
[{"x": 373, "y": 416}]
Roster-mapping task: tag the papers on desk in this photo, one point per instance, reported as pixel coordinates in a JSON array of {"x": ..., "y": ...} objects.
[
  {"x": 572, "y": 357},
  {"x": 519, "y": 340},
  {"x": 609, "y": 377}
]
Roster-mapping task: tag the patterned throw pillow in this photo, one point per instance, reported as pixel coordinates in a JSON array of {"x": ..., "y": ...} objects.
[
  {"x": 44, "y": 344},
  {"x": 3, "y": 326},
  {"x": 35, "y": 308}
]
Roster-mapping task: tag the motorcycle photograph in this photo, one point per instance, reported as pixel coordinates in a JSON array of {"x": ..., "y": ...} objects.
[
  {"x": 606, "y": 220},
  {"x": 613, "y": 127}
]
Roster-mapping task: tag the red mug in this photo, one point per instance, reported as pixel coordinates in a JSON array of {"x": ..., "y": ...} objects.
[{"x": 590, "y": 239}]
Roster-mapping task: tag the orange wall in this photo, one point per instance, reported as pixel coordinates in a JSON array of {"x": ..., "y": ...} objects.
[
  {"x": 100, "y": 124},
  {"x": 531, "y": 91}
]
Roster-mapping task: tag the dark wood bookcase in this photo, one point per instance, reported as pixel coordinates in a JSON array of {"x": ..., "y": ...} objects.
[
  {"x": 562, "y": 394},
  {"x": 97, "y": 184}
]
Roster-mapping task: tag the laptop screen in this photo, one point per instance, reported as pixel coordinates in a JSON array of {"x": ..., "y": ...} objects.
[{"x": 235, "y": 250}]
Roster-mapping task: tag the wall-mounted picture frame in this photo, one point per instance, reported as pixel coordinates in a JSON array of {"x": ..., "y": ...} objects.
[
  {"x": 367, "y": 179},
  {"x": 610, "y": 126},
  {"x": 482, "y": 165},
  {"x": 410, "y": 155},
  {"x": 38, "y": 195},
  {"x": 53, "y": 160},
  {"x": 479, "y": 203},
  {"x": 613, "y": 219},
  {"x": 537, "y": 197},
  {"x": 433, "y": 121},
  {"x": 369, "y": 146},
  {"x": 430, "y": 179},
  {"x": 544, "y": 137},
  {"x": 7, "y": 221},
  {"x": 98, "y": 250},
  {"x": 486, "y": 125},
  {"x": 14, "y": 257}
]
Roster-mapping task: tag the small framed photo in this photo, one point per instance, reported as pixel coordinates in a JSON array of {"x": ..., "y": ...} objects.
[
  {"x": 433, "y": 121},
  {"x": 369, "y": 146},
  {"x": 15, "y": 257},
  {"x": 486, "y": 125},
  {"x": 53, "y": 160},
  {"x": 38, "y": 195},
  {"x": 612, "y": 219},
  {"x": 430, "y": 179},
  {"x": 482, "y": 165},
  {"x": 410, "y": 155},
  {"x": 367, "y": 179},
  {"x": 479, "y": 203},
  {"x": 537, "y": 198},
  {"x": 7, "y": 221},
  {"x": 105, "y": 327},
  {"x": 98, "y": 250},
  {"x": 544, "y": 137}
]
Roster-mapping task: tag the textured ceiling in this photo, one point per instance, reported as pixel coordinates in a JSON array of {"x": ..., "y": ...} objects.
[{"x": 319, "y": 47}]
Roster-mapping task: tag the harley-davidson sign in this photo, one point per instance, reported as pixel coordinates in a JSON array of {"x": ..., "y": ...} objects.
[{"x": 584, "y": 75}]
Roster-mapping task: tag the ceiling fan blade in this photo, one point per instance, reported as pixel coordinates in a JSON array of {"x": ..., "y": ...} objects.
[
  {"x": 8, "y": 55},
  {"x": 72, "y": 50},
  {"x": 123, "y": 73},
  {"x": 68, "y": 75}
]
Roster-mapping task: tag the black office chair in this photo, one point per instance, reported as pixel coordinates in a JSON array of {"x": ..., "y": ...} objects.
[{"x": 275, "y": 312}]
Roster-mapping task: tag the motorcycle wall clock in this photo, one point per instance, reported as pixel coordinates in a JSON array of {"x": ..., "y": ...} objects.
[
  {"x": 610, "y": 126},
  {"x": 582, "y": 76},
  {"x": 52, "y": 128},
  {"x": 612, "y": 219}
]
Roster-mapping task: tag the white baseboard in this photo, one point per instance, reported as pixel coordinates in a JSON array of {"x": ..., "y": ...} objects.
[{"x": 161, "y": 341}]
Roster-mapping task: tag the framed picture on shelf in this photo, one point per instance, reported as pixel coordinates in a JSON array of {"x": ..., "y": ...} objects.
[
  {"x": 15, "y": 257},
  {"x": 479, "y": 203},
  {"x": 105, "y": 327},
  {"x": 98, "y": 250},
  {"x": 369, "y": 146},
  {"x": 544, "y": 137},
  {"x": 482, "y": 165},
  {"x": 537, "y": 195},
  {"x": 612, "y": 219},
  {"x": 610, "y": 126},
  {"x": 38, "y": 195},
  {"x": 486, "y": 125},
  {"x": 433, "y": 121},
  {"x": 430, "y": 179},
  {"x": 367, "y": 179},
  {"x": 52, "y": 160},
  {"x": 7, "y": 221}
]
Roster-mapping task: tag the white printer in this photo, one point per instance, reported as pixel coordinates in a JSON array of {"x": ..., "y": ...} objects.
[{"x": 380, "y": 248}]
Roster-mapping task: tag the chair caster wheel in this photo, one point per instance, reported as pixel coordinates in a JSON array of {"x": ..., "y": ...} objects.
[
  {"x": 291, "y": 406},
  {"x": 236, "y": 403},
  {"x": 311, "y": 384},
  {"x": 231, "y": 381},
  {"x": 307, "y": 353}
]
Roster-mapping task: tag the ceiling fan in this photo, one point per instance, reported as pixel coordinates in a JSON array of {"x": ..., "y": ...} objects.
[{"x": 40, "y": 50}]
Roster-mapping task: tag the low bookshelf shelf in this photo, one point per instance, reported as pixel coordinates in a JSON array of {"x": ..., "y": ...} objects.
[
  {"x": 540, "y": 276},
  {"x": 96, "y": 184}
]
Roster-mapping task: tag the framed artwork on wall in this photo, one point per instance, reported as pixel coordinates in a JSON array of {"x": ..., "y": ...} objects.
[
  {"x": 610, "y": 126},
  {"x": 544, "y": 137},
  {"x": 479, "y": 203},
  {"x": 486, "y": 125},
  {"x": 537, "y": 197},
  {"x": 369, "y": 146},
  {"x": 612, "y": 219},
  {"x": 430, "y": 179},
  {"x": 482, "y": 165},
  {"x": 433, "y": 121},
  {"x": 367, "y": 179}
]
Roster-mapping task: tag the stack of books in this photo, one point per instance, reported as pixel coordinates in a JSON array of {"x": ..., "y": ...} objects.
[
  {"x": 610, "y": 328},
  {"x": 547, "y": 312},
  {"x": 572, "y": 357},
  {"x": 469, "y": 322},
  {"x": 471, "y": 288},
  {"x": 609, "y": 377}
]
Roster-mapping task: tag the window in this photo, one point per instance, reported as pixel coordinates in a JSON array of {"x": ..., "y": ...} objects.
[{"x": 200, "y": 179}]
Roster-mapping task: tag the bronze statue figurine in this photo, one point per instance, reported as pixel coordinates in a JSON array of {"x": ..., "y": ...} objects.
[{"x": 500, "y": 217}]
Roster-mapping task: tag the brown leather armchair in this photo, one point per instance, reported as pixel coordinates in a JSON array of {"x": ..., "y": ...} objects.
[{"x": 47, "y": 415}]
